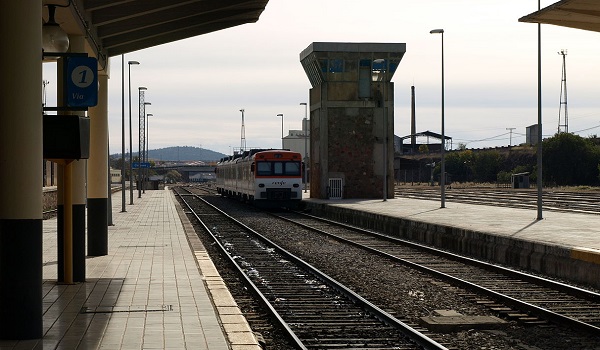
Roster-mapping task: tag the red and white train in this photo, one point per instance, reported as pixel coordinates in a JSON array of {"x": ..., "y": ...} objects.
[{"x": 266, "y": 178}]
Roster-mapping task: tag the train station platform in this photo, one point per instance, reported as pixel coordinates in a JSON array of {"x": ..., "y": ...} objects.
[
  {"x": 564, "y": 245},
  {"x": 156, "y": 289}
]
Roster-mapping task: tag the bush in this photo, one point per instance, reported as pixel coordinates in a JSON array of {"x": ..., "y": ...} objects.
[
  {"x": 486, "y": 166},
  {"x": 570, "y": 160}
]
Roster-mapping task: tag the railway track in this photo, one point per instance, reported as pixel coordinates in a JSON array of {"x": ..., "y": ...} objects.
[
  {"x": 565, "y": 201},
  {"x": 315, "y": 310},
  {"x": 204, "y": 189},
  {"x": 531, "y": 299},
  {"x": 409, "y": 295}
]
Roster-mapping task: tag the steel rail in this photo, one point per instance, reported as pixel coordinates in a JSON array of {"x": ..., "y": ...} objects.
[
  {"x": 573, "y": 290},
  {"x": 555, "y": 201},
  {"x": 419, "y": 338},
  {"x": 245, "y": 279},
  {"x": 547, "y": 314}
]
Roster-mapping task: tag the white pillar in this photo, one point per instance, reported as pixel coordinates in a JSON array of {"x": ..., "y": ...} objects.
[
  {"x": 72, "y": 190},
  {"x": 21, "y": 167},
  {"x": 97, "y": 172}
]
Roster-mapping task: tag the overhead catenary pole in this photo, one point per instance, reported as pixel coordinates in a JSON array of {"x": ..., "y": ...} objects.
[
  {"x": 563, "y": 94},
  {"x": 141, "y": 125}
]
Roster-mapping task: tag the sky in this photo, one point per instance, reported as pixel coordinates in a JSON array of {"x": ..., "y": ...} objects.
[{"x": 197, "y": 86}]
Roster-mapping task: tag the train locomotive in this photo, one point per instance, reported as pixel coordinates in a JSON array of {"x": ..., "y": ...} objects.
[{"x": 265, "y": 178}]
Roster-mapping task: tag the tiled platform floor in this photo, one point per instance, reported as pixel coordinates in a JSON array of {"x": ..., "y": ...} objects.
[{"x": 149, "y": 292}]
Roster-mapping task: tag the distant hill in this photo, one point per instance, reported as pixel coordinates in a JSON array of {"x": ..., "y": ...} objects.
[
  {"x": 184, "y": 153},
  {"x": 181, "y": 153}
]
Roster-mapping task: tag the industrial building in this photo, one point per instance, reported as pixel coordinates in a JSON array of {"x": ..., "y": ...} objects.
[{"x": 352, "y": 118}]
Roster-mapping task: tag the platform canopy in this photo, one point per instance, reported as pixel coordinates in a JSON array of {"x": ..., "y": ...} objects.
[
  {"x": 114, "y": 27},
  {"x": 579, "y": 14}
]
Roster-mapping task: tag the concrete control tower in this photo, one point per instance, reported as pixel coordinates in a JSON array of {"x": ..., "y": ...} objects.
[{"x": 351, "y": 118}]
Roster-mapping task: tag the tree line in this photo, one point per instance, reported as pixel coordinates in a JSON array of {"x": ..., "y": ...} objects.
[{"x": 567, "y": 160}]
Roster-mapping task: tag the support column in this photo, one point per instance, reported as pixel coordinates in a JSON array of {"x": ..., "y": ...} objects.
[
  {"x": 79, "y": 191},
  {"x": 97, "y": 173},
  {"x": 71, "y": 230},
  {"x": 60, "y": 222},
  {"x": 21, "y": 161},
  {"x": 79, "y": 198}
]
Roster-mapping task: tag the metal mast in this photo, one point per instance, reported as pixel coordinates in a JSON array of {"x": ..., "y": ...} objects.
[
  {"x": 510, "y": 130},
  {"x": 563, "y": 95},
  {"x": 243, "y": 137},
  {"x": 142, "y": 137}
]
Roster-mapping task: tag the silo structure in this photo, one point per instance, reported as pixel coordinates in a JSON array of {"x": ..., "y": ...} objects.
[{"x": 351, "y": 118}]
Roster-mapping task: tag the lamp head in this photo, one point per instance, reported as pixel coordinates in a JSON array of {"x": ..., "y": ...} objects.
[
  {"x": 133, "y": 62},
  {"x": 436, "y": 31},
  {"x": 54, "y": 39},
  {"x": 147, "y": 103},
  {"x": 149, "y": 115},
  {"x": 280, "y": 115},
  {"x": 302, "y": 103},
  {"x": 141, "y": 88}
]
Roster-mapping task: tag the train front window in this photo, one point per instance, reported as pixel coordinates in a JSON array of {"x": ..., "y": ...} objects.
[
  {"x": 292, "y": 168},
  {"x": 263, "y": 168},
  {"x": 278, "y": 168}
]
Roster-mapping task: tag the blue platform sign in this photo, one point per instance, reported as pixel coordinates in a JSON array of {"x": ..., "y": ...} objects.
[
  {"x": 140, "y": 165},
  {"x": 82, "y": 81}
]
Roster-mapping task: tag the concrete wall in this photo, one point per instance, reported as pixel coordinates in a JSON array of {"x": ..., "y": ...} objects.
[
  {"x": 565, "y": 263},
  {"x": 352, "y": 116},
  {"x": 347, "y": 137}
]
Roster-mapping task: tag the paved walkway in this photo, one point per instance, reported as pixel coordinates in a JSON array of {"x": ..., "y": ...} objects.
[
  {"x": 571, "y": 230},
  {"x": 154, "y": 290},
  {"x": 562, "y": 244},
  {"x": 158, "y": 289}
]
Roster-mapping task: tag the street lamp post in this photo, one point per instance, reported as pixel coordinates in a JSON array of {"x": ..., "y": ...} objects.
[
  {"x": 281, "y": 115},
  {"x": 443, "y": 150},
  {"x": 144, "y": 148},
  {"x": 123, "y": 133},
  {"x": 147, "y": 153},
  {"x": 130, "y": 137},
  {"x": 539, "y": 129},
  {"x": 305, "y": 127}
]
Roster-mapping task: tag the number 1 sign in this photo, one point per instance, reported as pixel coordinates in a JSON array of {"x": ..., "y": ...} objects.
[{"x": 82, "y": 81}]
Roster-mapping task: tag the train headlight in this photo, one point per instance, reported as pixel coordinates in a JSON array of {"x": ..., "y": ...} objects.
[
  {"x": 261, "y": 185},
  {"x": 296, "y": 185}
]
